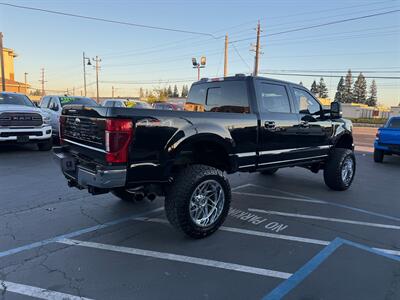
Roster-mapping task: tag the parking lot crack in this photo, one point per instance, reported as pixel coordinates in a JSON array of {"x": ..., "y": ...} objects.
[{"x": 89, "y": 216}]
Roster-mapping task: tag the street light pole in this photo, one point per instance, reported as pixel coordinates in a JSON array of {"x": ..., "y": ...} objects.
[
  {"x": 3, "y": 77},
  {"x": 198, "y": 65},
  {"x": 84, "y": 58}
]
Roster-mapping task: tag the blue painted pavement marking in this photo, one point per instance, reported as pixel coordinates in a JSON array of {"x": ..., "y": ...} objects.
[
  {"x": 74, "y": 234},
  {"x": 285, "y": 287}
]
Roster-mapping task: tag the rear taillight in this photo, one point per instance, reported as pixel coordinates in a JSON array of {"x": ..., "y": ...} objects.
[
  {"x": 61, "y": 129},
  {"x": 377, "y": 135},
  {"x": 119, "y": 134}
]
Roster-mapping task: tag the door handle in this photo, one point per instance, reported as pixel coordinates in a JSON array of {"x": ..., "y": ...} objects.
[
  {"x": 304, "y": 124},
  {"x": 269, "y": 124}
]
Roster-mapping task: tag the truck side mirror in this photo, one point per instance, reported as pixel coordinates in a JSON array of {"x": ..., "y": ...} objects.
[{"x": 336, "y": 110}]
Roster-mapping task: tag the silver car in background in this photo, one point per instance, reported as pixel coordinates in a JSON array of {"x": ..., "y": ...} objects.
[{"x": 53, "y": 105}]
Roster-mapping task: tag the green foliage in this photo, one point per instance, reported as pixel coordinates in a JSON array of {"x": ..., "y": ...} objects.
[
  {"x": 360, "y": 90},
  {"x": 176, "y": 92},
  {"x": 340, "y": 92},
  {"x": 322, "y": 89},
  {"x": 369, "y": 120},
  {"x": 185, "y": 91},
  {"x": 314, "y": 88},
  {"x": 373, "y": 94},
  {"x": 348, "y": 90}
]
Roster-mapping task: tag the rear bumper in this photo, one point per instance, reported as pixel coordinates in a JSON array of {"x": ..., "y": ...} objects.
[
  {"x": 103, "y": 177},
  {"x": 10, "y": 134},
  {"x": 390, "y": 148}
]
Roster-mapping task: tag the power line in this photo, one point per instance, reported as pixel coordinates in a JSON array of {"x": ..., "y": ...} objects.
[
  {"x": 324, "y": 75},
  {"x": 322, "y": 24},
  {"x": 333, "y": 71},
  {"x": 107, "y": 20}
]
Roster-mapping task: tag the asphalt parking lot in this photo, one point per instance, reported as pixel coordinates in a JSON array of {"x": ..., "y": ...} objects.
[{"x": 287, "y": 236}]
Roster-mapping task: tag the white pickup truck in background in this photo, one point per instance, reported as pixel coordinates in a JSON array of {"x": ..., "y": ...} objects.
[{"x": 21, "y": 122}]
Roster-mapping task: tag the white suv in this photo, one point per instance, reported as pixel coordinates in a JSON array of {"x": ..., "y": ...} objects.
[{"x": 22, "y": 122}]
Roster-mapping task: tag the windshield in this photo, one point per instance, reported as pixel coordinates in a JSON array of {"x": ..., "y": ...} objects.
[
  {"x": 77, "y": 100},
  {"x": 15, "y": 99}
]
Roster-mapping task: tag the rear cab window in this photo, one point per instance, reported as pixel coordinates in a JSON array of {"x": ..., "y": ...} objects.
[
  {"x": 394, "y": 123},
  {"x": 228, "y": 96}
]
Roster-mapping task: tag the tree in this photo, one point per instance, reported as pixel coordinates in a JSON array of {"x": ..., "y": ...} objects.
[
  {"x": 360, "y": 89},
  {"x": 314, "y": 88},
  {"x": 141, "y": 93},
  {"x": 373, "y": 94},
  {"x": 322, "y": 89},
  {"x": 176, "y": 92},
  {"x": 169, "y": 92},
  {"x": 37, "y": 92},
  {"x": 348, "y": 91},
  {"x": 185, "y": 91},
  {"x": 340, "y": 92}
]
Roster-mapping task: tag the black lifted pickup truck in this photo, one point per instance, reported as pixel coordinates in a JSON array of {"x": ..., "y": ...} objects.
[{"x": 232, "y": 124}]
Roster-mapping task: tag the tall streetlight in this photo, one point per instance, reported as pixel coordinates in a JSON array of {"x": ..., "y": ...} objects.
[
  {"x": 84, "y": 58},
  {"x": 198, "y": 65}
]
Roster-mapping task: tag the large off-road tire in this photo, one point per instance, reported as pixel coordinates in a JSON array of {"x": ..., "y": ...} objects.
[
  {"x": 269, "y": 171},
  {"x": 126, "y": 196},
  {"x": 198, "y": 200},
  {"x": 378, "y": 155},
  {"x": 45, "y": 145},
  {"x": 340, "y": 169}
]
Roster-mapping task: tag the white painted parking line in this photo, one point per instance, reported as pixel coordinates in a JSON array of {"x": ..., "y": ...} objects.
[
  {"x": 180, "y": 258},
  {"x": 337, "y": 220},
  {"x": 241, "y": 186},
  {"x": 270, "y": 235},
  {"x": 36, "y": 292},
  {"x": 311, "y": 200}
]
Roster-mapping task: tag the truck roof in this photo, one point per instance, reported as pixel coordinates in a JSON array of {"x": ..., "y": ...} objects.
[{"x": 243, "y": 77}]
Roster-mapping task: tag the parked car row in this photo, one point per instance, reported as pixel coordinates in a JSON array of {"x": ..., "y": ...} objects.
[{"x": 129, "y": 103}]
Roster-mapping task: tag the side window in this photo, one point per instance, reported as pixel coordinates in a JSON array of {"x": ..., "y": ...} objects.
[
  {"x": 229, "y": 96},
  {"x": 53, "y": 104},
  {"x": 226, "y": 96},
  {"x": 197, "y": 98},
  {"x": 273, "y": 98},
  {"x": 45, "y": 102},
  {"x": 306, "y": 103}
]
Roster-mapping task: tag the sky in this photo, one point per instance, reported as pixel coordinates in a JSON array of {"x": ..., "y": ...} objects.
[{"x": 134, "y": 57}]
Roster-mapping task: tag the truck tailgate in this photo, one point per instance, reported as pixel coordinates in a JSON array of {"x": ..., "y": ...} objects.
[{"x": 389, "y": 136}]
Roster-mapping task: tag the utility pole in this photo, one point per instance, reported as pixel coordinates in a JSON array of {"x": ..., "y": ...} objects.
[
  {"x": 257, "y": 56},
  {"x": 226, "y": 57},
  {"x": 112, "y": 91},
  {"x": 97, "y": 60},
  {"x": 42, "y": 81},
  {"x": 26, "y": 82},
  {"x": 3, "y": 77}
]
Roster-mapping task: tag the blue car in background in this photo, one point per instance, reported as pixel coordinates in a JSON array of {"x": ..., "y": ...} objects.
[{"x": 387, "y": 140}]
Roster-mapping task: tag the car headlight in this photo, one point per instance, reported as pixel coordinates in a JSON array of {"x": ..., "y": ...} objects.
[{"x": 46, "y": 120}]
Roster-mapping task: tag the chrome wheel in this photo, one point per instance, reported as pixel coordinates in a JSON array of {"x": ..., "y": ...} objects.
[
  {"x": 207, "y": 203},
  {"x": 347, "y": 170}
]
